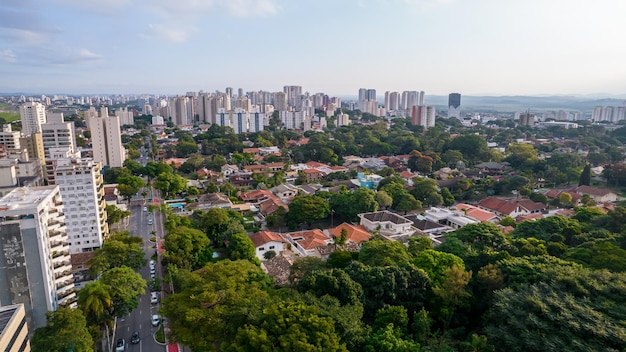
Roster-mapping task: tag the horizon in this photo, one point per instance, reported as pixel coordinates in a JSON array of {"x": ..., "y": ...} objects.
[{"x": 477, "y": 48}]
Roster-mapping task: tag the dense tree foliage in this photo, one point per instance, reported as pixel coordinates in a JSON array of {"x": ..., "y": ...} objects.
[{"x": 66, "y": 330}]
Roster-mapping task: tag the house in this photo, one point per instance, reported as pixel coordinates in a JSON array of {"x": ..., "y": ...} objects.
[
  {"x": 305, "y": 242},
  {"x": 228, "y": 170},
  {"x": 266, "y": 201},
  {"x": 481, "y": 215},
  {"x": 511, "y": 207},
  {"x": 275, "y": 167},
  {"x": 386, "y": 222},
  {"x": 285, "y": 191},
  {"x": 175, "y": 162},
  {"x": 265, "y": 241},
  {"x": 310, "y": 188},
  {"x": 427, "y": 226},
  {"x": 599, "y": 195},
  {"x": 241, "y": 179},
  {"x": 313, "y": 175},
  {"x": 255, "y": 169},
  {"x": 492, "y": 168},
  {"x": 212, "y": 200},
  {"x": 206, "y": 173},
  {"x": 356, "y": 233},
  {"x": 368, "y": 180},
  {"x": 453, "y": 218}
]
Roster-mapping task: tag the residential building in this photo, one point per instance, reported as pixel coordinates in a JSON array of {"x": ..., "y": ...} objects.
[
  {"x": 81, "y": 185},
  {"x": 599, "y": 195},
  {"x": 126, "y": 117},
  {"x": 305, "y": 243},
  {"x": 32, "y": 115},
  {"x": 355, "y": 233},
  {"x": 454, "y": 219},
  {"x": 9, "y": 139},
  {"x": 14, "y": 331},
  {"x": 285, "y": 192},
  {"x": 386, "y": 222},
  {"x": 368, "y": 180},
  {"x": 511, "y": 207},
  {"x": 265, "y": 241},
  {"x": 292, "y": 120},
  {"x": 477, "y": 213},
  {"x": 34, "y": 147},
  {"x": 35, "y": 269},
  {"x": 58, "y": 134},
  {"x": 106, "y": 140}
]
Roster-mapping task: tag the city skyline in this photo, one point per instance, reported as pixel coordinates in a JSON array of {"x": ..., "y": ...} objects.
[{"x": 481, "y": 47}]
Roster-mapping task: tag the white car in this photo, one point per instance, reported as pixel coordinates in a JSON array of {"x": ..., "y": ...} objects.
[
  {"x": 153, "y": 270},
  {"x": 156, "y": 320},
  {"x": 152, "y": 264},
  {"x": 120, "y": 346},
  {"x": 154, "y": 298}
]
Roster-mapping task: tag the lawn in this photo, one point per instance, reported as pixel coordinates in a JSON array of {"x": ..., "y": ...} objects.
[{"x": 9, "y": 116}]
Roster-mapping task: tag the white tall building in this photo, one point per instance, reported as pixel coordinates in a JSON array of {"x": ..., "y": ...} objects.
[
  {"x": 257, "y": 120},
  {"x": 126, "y": 117},
  {"x": 106, "y": 140},
  {"x": 57, "y": 133},
  {"x": 292, "y": 120},
  {"x": 222, "y": 118},
  {"x": 9, "y": 138},
  {"x": 35, "y": 266},
  {"x": 239, "y": 121},
  {"x": 80, "y": 182},
  {"x": 32, "y": 115}
]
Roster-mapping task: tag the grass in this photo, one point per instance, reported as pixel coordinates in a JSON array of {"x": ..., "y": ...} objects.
[
  {"x": 160, "y": 334},
  {"x": 9, "y": 116}
]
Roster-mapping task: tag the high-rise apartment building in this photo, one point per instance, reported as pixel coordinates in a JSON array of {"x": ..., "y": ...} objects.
[
  {"x": 126, "y": 117},
  {"x": 239, "y": 120},
  {"x": 293, "y": 94},
  {"x": 454, "y": 105},
  {"x": 527, "y": 119},
  {"x": 280, "y": 101},
  {"x": 106, "y": 140},
  {"x": 422, "y": 115},
  {"x": 32, "y": 115},
  {"x": 35, "y": 267},
  {"x": 81, "y": 186},
  {"x": 292, "y": 120},
  {"x": 14, "y": 331},
  {"x": 257, "y": 120},
  {"x": 9, "y": 139},
  {"x": 56, "y": 133}
]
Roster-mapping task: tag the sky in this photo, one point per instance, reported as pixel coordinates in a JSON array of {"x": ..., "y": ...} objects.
[{"x": 474, "y": 47}]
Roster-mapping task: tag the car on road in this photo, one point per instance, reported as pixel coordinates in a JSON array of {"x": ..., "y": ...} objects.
[
  {"x": 153, "y": 276},
  {"x": 120, "y": 346},
  {"x": 154, "y": 297},
  {"x": 156, "y": 320},
  {"x": 149, "y": 221},
  {"x": 135, "y": 338},
  {"x": 145, "y": 208},
  {"x": 153, "y": 270}
]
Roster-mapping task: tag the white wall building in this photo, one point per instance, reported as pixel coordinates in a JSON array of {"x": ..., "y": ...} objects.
[
  {"x": 58, "y": 134},
  {"x": 81, "y": 185},
  {"x": 32, "y": 115},
  {"x": 106, "y": 140},
  {"x": 35, "y": 266},
  {"x": 292, "y": 120}
]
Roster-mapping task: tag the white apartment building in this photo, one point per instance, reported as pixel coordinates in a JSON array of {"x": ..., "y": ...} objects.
[
  {"x": 35, "y": 267},
  {"x": 81, "y": 185},
  {"x": 32, "y": 115},
  {"x": 126, "y": 117},
  {"x": 9, "y": 138},
  {"x": 58, "y": 134},
  {"x": 106, "y": 140},
  {"x": 239, "y": 120},
  {"x": 257, "y": 120},
  {"x": 292, "y": 120}
]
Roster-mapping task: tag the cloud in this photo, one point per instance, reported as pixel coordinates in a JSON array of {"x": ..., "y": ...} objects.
[
  {"x": 179, "y": 17},
  {"x": 8, "y": 55},
  {"x": 108, "y": 7}
]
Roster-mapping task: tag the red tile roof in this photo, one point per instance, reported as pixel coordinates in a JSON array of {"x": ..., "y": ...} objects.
[
  {"x": 507, "y": 207},
  {"x": 262, "y": 237},
  {"x": 310, "y": 238},
  {"x": 476, "y": 213},
  {"x": 356, "y": 233}
]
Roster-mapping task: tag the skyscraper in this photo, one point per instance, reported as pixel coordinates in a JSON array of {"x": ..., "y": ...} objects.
[
  {"x": 32, "y": 115},
  {"x": 35, "y": 269},
  {"x": 454, "y": 105},
  {"x": 57, "y": 133},
  {"x": 106, "y": 140}
]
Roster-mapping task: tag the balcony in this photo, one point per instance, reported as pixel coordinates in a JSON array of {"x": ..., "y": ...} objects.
[
  {"x": 68, "y": 301},
  {"x": 63, "y": 275},
  {"x": 57, "y": 254},
  {"x": 55, "y": 234},
  {"x": 58, "y": 265},
  {"x": 57, "y": 246}
]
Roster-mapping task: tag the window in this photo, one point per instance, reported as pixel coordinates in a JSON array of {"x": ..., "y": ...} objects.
[
  {"x": 261, "y": 248},
  {"x": 271, "y": 247}
]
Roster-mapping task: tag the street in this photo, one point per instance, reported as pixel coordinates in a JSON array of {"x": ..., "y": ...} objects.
[{"x": 140, "y": 318}]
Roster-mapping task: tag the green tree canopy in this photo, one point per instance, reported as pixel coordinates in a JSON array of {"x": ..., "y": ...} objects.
[
  {"x": 383, "y": 253},
  {"x": 66, "y": 330},
  {"x": 125, "y": 286},
  {"x": 187, "y": 248}
]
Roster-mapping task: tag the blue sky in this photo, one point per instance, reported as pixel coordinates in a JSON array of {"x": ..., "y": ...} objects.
[{"x": 491, "y": 47}]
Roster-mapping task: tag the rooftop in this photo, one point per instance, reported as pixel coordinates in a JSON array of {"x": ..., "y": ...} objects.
[
  {"x": 25, "y": 197},
  {"x": 384, "y": 216}
]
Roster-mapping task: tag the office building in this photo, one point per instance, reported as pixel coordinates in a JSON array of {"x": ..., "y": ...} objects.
[
  {"x": 81, "y": 186},
  {"x": 14, "y": 331},
  {"x": 106, "y": 140},
  {"x": 35, "y": 267},
  {"x": 32, "y": 115},
  {"x": 454, "y": 105}
]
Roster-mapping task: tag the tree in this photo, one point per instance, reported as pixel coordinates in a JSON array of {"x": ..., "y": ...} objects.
[
  {"x": 448, "y": 198},
  {"x": 128, "y": 186},
  {"x": 333, "y": 282},
  {"x": 407, "y": 202},
  {"x": 436, "y": 263},
  {"x": 187, "y": 248},
  {"x": 304, "y": 266},
  {"x": 170, "y": 183},
  {"x": 288, "y": 326},
  {"x": 383, "y": 253},
  {"x": 383, "y": 199},
  {"x": 452, "y": 291},
  {"x": 306, "y": 209},
  {"x": 585, "y": 176},
  {"x": 66, "y": 330},
  {"x": 242, "y": 247},
  {"x": 212, "y": 303},
  {"x": 347, "y": 205},
  {"x": 95, "y": 302},
  {"x": 115, "y": 214},
  {"x": 117, "y": 252},
  {"x": 125, "y": 286}
]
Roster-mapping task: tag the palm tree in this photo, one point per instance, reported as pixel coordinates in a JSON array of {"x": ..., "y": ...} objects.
[{"x": 95, "y": 302}]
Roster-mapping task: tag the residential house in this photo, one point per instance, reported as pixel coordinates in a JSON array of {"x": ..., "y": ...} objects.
[
  {"x": 275, "y": 167},
  {"x": 241, "y": 179},
  {"x": 285, "y": 192},
  {"x": 511, "y": 207},
  {"x": 492, "y": 168},
  {"x": 212, "y": 200},
  {"x": 368, "y": 180},
  {"x": 205, "y": 173},
  {"x": 599, "y": 195},
  {"x": 265, "y": 241},
  {"x": 255, "y": 168},
  {"x": 228, "y": 170},
  {"x": 386, "y": 222},
  {"x": 305, "y": 242},
  {"x": 453, "y": 218},
  {"x": 356, "y": 233},
  {"x": 477, "y": 213},
  {"x": 427, "y": 226},
  {"x": 313, "y": 175}
]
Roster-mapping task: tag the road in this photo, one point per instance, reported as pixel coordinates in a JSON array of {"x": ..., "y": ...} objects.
[{"x": 140, "y": 318}]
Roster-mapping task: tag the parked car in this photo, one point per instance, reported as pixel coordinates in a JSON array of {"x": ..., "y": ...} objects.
[
  {"x": 156, "y": 320},
  {"x": 154, "y": 298},
  {"x": 135, "y": 338},
  {"x": 145, "y": 208},
  {"x": 120, "y": 346}
]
